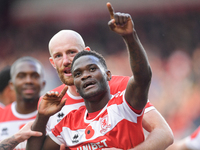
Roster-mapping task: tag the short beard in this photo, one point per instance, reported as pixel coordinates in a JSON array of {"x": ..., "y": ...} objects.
[{"x": 68, "y": 81}]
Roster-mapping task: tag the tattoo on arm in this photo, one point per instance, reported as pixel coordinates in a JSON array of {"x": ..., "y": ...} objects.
[{"x": 8, "y": 144}]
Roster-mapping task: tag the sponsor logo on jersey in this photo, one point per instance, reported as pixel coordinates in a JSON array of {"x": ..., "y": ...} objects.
[
  {"x": 75, "y": 137},
  {"x": 94, "y": 146},
  {"x": 4, "y": 131},
  {"x": 60, "y": 116}
]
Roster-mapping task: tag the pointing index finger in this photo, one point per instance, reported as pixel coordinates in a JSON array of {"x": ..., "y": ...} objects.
[
  {"x": 111, "y": 10},
  {"x": 63, "y": 92}
]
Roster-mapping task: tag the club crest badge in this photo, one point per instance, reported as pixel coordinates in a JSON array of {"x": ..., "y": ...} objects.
[{"x": 104, "y": 124}]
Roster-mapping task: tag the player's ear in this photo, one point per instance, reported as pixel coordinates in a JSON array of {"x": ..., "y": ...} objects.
[
  {"x": 43, "y": 84},
  {"x": 11, "y": 85},
  {"x": 87, "y": 48},
  {"x": 109, "y": 75},
  {"x": 52, "y": 62}
]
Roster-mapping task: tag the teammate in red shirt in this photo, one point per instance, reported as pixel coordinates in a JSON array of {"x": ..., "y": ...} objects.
[
  {"x": 27, "y": 79},
  {"x": 111, "y": 127},
  {"x": 105, "y": 120},
  {"x": 63, "y": 47}
]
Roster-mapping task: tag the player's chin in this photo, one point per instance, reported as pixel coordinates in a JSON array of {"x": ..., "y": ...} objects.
[
  {"x": 69, "y": 82},
  {"x": 89, "y": 93}
]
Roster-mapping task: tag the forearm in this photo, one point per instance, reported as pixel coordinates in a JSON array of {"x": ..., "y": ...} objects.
[
  {"x": 51, "y": 103},
  {"x": 138, "y": 58},
  {"x": 156, "y": 140},
  {"x": 160, "y": 134},
  {"x": 38, "y": 125},
  {"x": 9, "y": 143},
  {"x": 140, "y": 82}
]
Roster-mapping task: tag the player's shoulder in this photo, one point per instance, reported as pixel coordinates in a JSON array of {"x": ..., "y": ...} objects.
[
  {"x": 116, "y": 77},
  {"x": 6, "y": 112},
  {"x": 1, "y": 106},
  {"x": 8, "y": 107},
  {"x": 80, "y": 110},
  {"x": 1, "y": 109},
  {"x": 76, "y": 113}
]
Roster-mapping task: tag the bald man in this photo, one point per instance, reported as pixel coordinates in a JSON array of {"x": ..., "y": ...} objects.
[{"x": 63, "y": 47}]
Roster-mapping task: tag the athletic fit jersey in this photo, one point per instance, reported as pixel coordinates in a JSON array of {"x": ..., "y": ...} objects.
[
  {"x": 116, "y": 125},
  {"x": 193, "y": 141},
  {"x": 117, "y": 84},
  {"x": 11, "y": 121}
]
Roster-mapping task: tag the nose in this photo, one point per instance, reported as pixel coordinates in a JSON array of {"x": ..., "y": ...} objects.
[
  {"x": 85, "y": 75},
  {"x": 28, "y": 79},
  {"x": 67, "y": 60}
]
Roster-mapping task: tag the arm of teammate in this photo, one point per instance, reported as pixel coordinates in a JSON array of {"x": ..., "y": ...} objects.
[
  {"x": 51, "y": 103},
  {"x": 22, "y": 135},
  {"x": 138, "y": 86},
  {"x": 160, "y": 134}
]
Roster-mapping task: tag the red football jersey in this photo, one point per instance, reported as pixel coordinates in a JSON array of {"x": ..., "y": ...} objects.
[
  {"x": 116, "y": 125},
  {"x": 117, "y": 84},
  {"x": 11, "y": 122}
]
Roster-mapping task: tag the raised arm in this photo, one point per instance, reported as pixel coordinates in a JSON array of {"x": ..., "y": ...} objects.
[
  {"x": 160, "y": 135},
  {"x": 138, "y": 86},
  {"x": 51, "y": 103}
]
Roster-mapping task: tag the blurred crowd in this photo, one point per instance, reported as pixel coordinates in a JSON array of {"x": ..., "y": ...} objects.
[{"x": 171, "y": 40}]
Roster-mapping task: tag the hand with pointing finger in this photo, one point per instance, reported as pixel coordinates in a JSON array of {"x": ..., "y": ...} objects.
[
  {"x": 120, "y": 23},
  {"x": 52, "y": 102}
]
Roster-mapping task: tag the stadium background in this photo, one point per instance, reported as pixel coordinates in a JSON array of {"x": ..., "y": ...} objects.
[{"x": 169, "y": 31}]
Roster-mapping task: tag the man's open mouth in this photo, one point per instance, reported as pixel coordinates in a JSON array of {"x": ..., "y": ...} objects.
[
  {"x": 67, "y": 70},
  {"x": 88, "y": 83}
]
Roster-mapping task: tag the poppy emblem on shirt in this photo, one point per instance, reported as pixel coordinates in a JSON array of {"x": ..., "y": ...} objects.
[
  {"x": 104, "y": 123},
  {"x": 89, "y": 132}
]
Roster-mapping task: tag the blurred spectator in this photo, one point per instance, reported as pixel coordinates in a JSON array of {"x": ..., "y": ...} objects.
[
  {"x": 27, "y": 79},
  {"x": 170, "y": 37},
  {"x": 190, "y": 142},
  {"x": 7, "y": 95}
]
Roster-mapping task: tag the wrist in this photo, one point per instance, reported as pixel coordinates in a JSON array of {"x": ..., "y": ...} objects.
[
  {"x": 17, "y": 138},
  {"x": 40, "y": 123}
]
